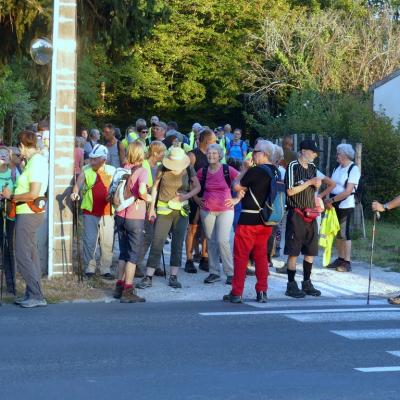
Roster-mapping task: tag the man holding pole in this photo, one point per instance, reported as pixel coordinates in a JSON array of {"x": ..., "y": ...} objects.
[{"x": 378, "y": 207}]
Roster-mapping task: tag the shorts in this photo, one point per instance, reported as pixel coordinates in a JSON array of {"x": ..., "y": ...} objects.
[
  {"x": 194, "y": 216},
  {"x": 344, "y": 216},
  {"x": 130, "y": 238},
  {"x": 301, "y": 237}
]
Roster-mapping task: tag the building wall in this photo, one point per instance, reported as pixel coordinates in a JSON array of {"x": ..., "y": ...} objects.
[{"x": 387, "y": 99}]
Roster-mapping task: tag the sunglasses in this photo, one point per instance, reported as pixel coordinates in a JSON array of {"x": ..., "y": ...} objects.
[
  {"x": 144, "y": 131},
  {"x": 256, "y": 151}
]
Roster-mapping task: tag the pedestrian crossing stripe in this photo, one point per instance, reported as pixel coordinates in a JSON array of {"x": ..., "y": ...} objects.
[
  {"x": 346, "y": 317},
  {"x": 394, "y": 368},
  {"x": 394, "y": 353},
  {"x": 303, "y": 311},
  {"x": 369, "y": 334}
]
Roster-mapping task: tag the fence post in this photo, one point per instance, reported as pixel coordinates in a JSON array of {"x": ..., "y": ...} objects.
[
  {"x": 295, "y": 142},
  {"x": 358, "y": 220},
  {"x": 321, "y": 155},
  {"x": 328, "y": 156}
]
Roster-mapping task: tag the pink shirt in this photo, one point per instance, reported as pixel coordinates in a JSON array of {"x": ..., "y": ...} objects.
[
  {"x": 138, "y": 209},
  {"x": 217, "y": 190},
  {"x": 78, "y": 155}
]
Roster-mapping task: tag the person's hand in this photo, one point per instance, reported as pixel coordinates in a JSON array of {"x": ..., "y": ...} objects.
[
  {"x": 232, "y": 202},
  {"x": 75, "y": 197},
  {"x": 241, "y": 194},
  {"x": 181, "y": 197},
  {"x": 377, "y": 207},
  {"x": 199, "y": 201},
  {"x": 6, "y": 193},
  {"x": 152, "y": 215},
  {"x": 316, "y": 182},
  {"x": 328, "y": 204}
]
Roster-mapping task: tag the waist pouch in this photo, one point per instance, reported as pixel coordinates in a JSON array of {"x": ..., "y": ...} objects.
[
  {"x": 37, "y": 206},
  {"x": 308, "y": 214}
]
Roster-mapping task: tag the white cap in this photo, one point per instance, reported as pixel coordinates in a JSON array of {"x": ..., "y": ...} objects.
[{"x": 99, "y": 151}]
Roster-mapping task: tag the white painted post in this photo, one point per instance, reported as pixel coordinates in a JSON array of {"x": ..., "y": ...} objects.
[{"x": 62, "y": 136}]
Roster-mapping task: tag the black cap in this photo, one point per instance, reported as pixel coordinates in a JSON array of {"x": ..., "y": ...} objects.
[{"x": 309, "y": 144}]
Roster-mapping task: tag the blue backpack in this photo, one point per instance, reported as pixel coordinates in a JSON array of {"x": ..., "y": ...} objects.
[{"x": 273, "y": 209}]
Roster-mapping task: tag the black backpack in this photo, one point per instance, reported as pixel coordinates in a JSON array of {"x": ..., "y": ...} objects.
[
  {"x": 359, "y": 189},
  {"x": 203, "y": 179}
]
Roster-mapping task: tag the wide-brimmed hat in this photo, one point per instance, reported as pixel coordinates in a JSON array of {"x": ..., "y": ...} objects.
[{"x": 176, "y": 160}]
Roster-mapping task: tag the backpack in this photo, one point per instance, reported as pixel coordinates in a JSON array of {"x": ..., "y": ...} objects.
[
  {"x": 359, "y": 188},
  {"x": 204, "y": 178},
  {"x": 230, "y": 144},
  {"x": 120, "y": 195},
  {"x": 273, "y": 209}
]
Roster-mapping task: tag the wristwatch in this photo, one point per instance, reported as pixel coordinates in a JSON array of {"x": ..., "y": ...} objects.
[
  {"x": 11, "y": 197},
  {"x": 385, "y": 206}
]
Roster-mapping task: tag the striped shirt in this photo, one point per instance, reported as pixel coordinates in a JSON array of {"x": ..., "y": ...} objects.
[{"x": 296, "y": 175}]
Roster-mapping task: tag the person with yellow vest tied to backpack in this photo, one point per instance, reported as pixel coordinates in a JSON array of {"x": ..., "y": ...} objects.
[
  {"x": 98, "y": 219},
  {"x": 176, "y": 182},
  {"x": 156, "y": 153}
]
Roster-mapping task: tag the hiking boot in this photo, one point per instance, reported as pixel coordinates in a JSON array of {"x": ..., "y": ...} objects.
[
  {"x": 232, "y": 298},
  {"x": 281, "y": 270},
  {"x": 335, "y": 264},
  {"x": 261, "y": 297},
  {"x": 159, "y": 272},
  {"x": 139, "y": 273},
  {"x": 309, "y": 289},
  {"x": 146, "y": 282},
  {"x": 203, "y": 265},
  {"x": 212, "y": 278},
  {"x": 129, "y": 296},
  {"x": 394, "y": 300},
  {"x": 118, "y": 291},
  {"x": 190, "y": 268},
  {"x": 293, "y": 290},
  {"x": 229, "y": 280},
  {"x": 31, "y": 303},
  {"x": 107, "y": 276},
  {"x": 173, "y": 282},
  {"x": 20, "y": 300},
  {"x": 344, "y": 267},
  {"x": 90, "y": 275},
  {"x": 197, "y": 258}
]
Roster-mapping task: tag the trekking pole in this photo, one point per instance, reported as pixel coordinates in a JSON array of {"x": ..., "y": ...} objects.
[
  {"x": 77, "y": 238},
  {"x": 376, "y": 218},
  {"x": 3, "y": 239},
  {"x": 163, "y": 261}
]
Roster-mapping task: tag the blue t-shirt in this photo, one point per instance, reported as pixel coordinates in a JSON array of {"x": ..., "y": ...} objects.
[{"x": 236, "y": 150}]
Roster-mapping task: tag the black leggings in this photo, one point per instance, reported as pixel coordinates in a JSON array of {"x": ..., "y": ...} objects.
[{"x": 344, "y": 216}]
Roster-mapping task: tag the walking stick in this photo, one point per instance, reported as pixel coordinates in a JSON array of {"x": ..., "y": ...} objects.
[
  {"x": 376, "y": 218},
  {"x": 163, "y": 261},
  {"x": 3, "y": 246},
  {"x": 77, "y": 238}
]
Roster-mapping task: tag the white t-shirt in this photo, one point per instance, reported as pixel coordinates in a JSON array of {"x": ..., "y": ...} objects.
[
  {"x": 339, "y": 176},
  {"x": 282, "y": 171}
]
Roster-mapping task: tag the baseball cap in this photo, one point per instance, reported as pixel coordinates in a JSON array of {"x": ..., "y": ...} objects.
[
  {"x": 197, "y": 126},
  {"x": 309, "y": 144},
  {"x": 175, "y": 133},
  {"x": 99, "y": 151}
]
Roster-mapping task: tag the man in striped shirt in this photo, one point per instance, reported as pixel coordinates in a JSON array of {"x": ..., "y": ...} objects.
[{"x": 303, "y": 181}]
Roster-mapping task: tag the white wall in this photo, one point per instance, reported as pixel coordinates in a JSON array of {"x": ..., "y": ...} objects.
[{"x": 387, "y": 99}]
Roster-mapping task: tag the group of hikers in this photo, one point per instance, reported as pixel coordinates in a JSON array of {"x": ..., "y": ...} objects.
[{"x": 156, "y": 185}]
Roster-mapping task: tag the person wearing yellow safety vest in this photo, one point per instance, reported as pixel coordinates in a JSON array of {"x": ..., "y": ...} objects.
[
  {"x": 130, "y": 137},
  {"x": 176, "y": 182},
  {"x": 192, "y": 136},
  {"x": 156, "y": 153},
  {"x": 223, "y": 141},
  {"x": 98, "y": 220}
]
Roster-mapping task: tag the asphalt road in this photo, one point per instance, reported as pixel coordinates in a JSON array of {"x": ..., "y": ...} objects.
[{"x": 175, "y": 351}]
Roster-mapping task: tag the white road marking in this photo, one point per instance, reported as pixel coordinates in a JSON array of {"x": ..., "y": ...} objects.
[
  {"x": 379, "y": 369},
  {"x": 304, "y": 311},
  {"x": 395, "y": 353},
  {"x": 316, "y": 303},
  {"x": 347, "y": 317},
  {"x": 369, "y": 334}
]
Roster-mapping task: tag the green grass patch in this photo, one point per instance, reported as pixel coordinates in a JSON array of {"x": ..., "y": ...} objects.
[{"x": 387, "y": 245}]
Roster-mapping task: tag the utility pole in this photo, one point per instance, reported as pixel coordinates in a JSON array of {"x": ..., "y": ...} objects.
[{"x": 62, "y": 137}]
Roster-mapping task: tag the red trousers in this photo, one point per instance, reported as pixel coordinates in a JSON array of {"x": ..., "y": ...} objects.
[{"x": 250, "y": 239}]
